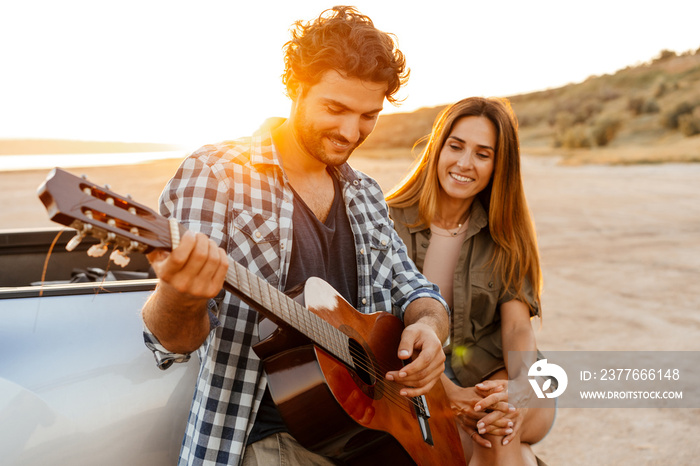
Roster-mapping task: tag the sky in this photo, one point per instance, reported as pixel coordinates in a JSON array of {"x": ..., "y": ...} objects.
[{"x": 198, "y": 72}]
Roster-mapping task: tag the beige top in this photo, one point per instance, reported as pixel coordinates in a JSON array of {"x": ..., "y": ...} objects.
[{"x": 441, "y": 259}]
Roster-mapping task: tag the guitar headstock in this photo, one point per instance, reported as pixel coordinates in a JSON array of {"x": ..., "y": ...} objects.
[{"x": 97, "y": 211}]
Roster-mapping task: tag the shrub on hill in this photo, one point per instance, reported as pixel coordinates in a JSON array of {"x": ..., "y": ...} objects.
[{"x": 689, "y": 123}]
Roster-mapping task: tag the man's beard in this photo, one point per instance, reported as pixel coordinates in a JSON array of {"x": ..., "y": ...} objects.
[{"x": 312, "y": 141}]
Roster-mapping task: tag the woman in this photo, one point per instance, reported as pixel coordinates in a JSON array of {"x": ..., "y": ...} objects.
[{"x": 463, "y": 215}]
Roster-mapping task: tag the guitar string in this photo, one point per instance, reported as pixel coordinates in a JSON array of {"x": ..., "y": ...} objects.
[
  {"x": 392, "y": 387},
  {"x": 390, "y": 390},
  {"x": 254, "y": 289},
  {"x": 389, "y": 386},
  {"x": 46, "y": 261},
  {"x": 312, "y": 322}
]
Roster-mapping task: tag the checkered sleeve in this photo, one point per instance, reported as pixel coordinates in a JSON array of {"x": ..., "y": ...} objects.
[
  {"x": 392, "y": 269},
  {"x": 164, "y": 358}
]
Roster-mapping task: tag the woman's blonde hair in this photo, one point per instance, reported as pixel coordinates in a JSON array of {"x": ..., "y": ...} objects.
[{"x": 510, "y": 223}]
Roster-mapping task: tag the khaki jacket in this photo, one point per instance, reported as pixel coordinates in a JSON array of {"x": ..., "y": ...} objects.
[{"x": 475, "y": 336}]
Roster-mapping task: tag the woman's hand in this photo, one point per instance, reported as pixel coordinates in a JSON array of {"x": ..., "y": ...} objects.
[
  {"x": 495, "y": 393},
  {"x": 463, "y": 401}
]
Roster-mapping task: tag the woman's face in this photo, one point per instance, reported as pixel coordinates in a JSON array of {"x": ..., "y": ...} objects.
[{"x": 466, "y": 160}]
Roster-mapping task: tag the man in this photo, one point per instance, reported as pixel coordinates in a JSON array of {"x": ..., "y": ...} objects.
[{"x": 286, "y": 205}]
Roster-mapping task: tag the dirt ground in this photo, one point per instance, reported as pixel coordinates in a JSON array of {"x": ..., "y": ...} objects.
[{"x": 620, "y": 249}]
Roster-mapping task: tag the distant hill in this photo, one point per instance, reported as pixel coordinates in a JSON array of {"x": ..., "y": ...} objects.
[
  {"x": 62, "y": 146},
  {"x": 645, "y": 113}
]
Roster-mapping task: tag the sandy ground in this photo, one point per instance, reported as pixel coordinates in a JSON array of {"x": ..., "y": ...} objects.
[{"x": 620, "y": 250}]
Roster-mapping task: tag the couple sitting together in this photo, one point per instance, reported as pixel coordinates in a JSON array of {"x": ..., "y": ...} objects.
[{"x": 451, "y": 251}]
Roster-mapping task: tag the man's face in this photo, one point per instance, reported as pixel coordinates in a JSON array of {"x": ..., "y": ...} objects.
[{"x": 331, "y": 118}]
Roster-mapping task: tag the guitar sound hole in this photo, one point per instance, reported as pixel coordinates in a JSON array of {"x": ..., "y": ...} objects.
[{"x": 363, "y": 365}]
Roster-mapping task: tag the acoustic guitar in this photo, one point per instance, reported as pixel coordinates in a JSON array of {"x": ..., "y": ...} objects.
[{"x": 324, "y": 360}]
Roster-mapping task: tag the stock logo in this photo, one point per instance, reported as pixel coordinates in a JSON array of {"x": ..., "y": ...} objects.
[{"x": 544, "y": 369}]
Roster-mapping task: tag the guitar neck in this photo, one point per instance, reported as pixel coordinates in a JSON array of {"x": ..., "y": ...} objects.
[{"x": 282, "y": 309}]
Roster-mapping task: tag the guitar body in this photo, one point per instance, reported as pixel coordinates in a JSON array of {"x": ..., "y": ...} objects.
[{"x": 354, "y": 414}]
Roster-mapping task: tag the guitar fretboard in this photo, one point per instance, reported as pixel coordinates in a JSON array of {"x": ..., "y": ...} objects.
[{"x": 271, "y": 300}]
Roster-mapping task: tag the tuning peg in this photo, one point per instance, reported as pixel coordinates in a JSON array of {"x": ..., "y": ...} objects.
[
  {"x": 120, "y": 258},
  {"x": 75, "y": 241},
  {"x": 97, "y": 250},
  {"x": 82, "y": 233}
]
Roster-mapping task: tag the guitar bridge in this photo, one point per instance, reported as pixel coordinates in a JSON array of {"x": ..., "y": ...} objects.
[{"x": 423, "y": 414}]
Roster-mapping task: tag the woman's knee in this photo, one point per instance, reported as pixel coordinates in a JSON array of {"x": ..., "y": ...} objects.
[{"x": 537, "y": 424}]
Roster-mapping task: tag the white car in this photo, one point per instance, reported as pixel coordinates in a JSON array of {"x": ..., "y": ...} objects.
[{"x": 77, "y": 384}]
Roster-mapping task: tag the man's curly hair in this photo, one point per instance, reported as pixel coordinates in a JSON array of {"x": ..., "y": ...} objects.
[{"x": 345, "y": 40}]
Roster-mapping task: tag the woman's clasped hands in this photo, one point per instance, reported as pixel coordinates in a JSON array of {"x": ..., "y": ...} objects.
[{"x": 484, "y": 410}]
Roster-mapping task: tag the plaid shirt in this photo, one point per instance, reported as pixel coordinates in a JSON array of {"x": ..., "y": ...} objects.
[{"x": 236, "y": 193}]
